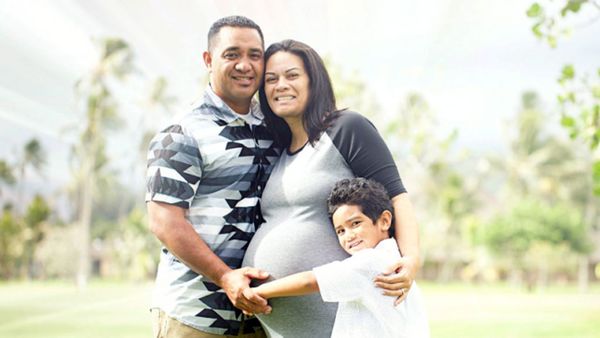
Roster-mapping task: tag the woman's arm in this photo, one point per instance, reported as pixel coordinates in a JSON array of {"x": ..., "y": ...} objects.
[
  {"x": 298, "y": 284},
  {"x": 407, "y": 236}
]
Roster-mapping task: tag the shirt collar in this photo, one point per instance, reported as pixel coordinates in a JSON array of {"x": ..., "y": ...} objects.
[{"x": 225, "y": 113}]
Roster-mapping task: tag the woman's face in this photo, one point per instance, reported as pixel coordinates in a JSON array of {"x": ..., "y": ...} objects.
[{"x": 286, "y": 86}]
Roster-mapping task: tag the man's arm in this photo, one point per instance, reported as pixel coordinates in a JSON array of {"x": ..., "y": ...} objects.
[
  {"x": 407, "y": 236},
  {"x": 298, "y": 284},
  {"x": 170, "y": 226}
]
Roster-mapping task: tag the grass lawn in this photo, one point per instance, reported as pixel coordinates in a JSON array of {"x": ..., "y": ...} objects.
[{"x": 105, "y": 309}]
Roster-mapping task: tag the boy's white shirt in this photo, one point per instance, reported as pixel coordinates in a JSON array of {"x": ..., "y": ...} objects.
[{"x": 363, "y": 311}]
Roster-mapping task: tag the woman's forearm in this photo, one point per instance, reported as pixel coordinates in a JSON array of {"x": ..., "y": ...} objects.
[
  {"x": 298, "y": 284},
  {"x": 407, "y": 230}
]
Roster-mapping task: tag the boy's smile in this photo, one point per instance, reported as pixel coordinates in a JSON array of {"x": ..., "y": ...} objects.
[{"x": 356, "y": 231}]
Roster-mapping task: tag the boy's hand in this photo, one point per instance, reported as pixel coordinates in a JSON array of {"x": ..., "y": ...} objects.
[{"x": 397, "y": 279}]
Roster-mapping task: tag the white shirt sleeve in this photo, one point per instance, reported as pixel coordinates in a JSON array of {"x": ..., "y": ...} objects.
[{"x": 343, "y": 281}]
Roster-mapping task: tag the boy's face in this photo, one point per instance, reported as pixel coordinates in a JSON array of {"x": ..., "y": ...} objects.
[{"x": 356, "y": 231}]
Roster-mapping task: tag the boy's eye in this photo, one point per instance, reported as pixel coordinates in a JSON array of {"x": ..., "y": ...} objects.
[
  {"x": 355, "y": 224},
  {"x": 339, "y": 232}
]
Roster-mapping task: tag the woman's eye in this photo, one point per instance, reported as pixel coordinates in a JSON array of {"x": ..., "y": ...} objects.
[
  {"x": 271, "y": 80},
  {"x": 292, "y": 76}
]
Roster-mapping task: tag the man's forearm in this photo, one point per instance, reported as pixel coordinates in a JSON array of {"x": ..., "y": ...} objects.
[
  {"x": 298, "y": 284},
  {"x": 180, "y": 238}
]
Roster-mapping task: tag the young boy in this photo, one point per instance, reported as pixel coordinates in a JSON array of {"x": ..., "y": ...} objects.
[{"x": 361, "y": 212}]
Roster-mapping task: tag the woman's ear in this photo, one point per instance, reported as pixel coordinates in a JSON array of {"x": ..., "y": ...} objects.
[{"x": 385, "y": 220}]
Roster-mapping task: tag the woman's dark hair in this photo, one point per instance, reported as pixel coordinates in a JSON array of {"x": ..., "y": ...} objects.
[
  {"x": 370, "y": 196},
  {"x": 320, "y": 110}
]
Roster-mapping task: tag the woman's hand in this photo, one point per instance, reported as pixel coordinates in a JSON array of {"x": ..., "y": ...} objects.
[{"x": 398, "y": 278}]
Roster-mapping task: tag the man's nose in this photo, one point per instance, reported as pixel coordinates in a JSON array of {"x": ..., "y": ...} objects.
[{"x": 242, "y": 66}]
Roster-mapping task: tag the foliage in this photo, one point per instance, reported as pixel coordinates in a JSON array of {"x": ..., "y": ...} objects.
[
  {"x": 535, "y": 234},
  {"x": 580, "y": 108},
  {"x": 580, "y": 97},
  {"x": 548, "y": 18},
  {"x": 10, "y": 242},
  {"x": 6, "y": 174},
  {"x": 351, "y": 91}
]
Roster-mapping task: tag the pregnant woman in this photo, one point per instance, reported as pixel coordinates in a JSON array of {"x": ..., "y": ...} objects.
[{"x": 323, "y": 145}]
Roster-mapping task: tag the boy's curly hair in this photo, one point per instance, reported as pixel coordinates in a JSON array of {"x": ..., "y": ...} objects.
[{"x": 370, "y": 196}]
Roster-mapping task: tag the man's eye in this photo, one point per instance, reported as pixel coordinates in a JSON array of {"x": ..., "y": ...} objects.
[
  {"x": 256, "y": 56},
  {"x": 230, "y": 56}
]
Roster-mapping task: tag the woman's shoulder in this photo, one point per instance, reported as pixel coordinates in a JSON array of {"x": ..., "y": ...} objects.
[{"x": 350, "y": 121}]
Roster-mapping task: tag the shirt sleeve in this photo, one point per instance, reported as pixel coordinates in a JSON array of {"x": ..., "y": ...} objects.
[
  {"x": 343, "y": 281},
  {"x": 365, "y": 151},
  {"x": 174, "y": 168}
]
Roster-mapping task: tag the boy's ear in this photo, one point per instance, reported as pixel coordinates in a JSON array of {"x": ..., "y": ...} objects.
[{"x": 385, "y": 220}]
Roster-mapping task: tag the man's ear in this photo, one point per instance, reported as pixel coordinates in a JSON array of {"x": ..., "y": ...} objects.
[
  {"x": 207, "y": 60},
  {"x": 385, "y": 220}
]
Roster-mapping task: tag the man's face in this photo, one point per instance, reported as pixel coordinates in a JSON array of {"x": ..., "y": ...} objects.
[
  {"x": 236, "y": 65},
  {"x": 356, "y": 231}
]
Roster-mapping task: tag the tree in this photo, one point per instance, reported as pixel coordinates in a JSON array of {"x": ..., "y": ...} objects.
[
  {"x": 36, "y": 215},
  {"x": 531, "y": 225},
  {"x": 33, "y": 156},
  {"x": 580, "y": 97},
  {"x": 101, "y": 115},
  {"x": 10, "y": 242},
  {"x": 442, "y": 182},
  {"x": 6, "y": 174}
]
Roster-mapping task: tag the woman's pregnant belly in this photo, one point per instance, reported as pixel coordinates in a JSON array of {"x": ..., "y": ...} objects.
[
  {"x": 289, "y": 247},
  {"x": 286, "y": 248}
]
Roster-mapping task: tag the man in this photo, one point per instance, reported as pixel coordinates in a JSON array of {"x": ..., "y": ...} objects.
[{"x": 205, "y": 176}]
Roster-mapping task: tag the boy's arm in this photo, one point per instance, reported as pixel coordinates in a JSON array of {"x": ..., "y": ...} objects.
[{"x": 298, "y": 284}]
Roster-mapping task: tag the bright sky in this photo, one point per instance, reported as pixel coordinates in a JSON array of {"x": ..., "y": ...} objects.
[{"x": 471, "y": 60}]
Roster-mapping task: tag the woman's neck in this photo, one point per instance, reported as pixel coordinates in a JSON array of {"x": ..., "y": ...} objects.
[{"x": 299, "y": 135}]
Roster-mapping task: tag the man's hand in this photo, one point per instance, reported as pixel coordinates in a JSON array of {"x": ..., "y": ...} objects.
[
  {"x": 236, "y": 284},
  {"x": 398, "y": 278}
]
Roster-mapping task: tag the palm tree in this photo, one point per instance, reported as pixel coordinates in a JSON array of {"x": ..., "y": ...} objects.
[
  {"x": 33, "y": 156},
  {"x": 101, "y": 115},
  {"x": 6, "y": 174}
]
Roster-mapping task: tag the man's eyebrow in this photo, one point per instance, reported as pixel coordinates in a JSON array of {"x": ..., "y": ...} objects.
[{"x": 231, "y": 49}]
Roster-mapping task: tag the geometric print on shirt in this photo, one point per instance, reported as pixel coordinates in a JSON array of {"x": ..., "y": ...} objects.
[{"x": 215, "y": 165}]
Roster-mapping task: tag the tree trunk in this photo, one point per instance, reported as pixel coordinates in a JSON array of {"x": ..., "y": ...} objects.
[
  {"x": 85, "y": 219},
  {"x": 583, "y": 276}
]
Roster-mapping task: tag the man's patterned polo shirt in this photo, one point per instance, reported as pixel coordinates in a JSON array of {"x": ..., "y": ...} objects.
[{"x": 214, "y": 164}]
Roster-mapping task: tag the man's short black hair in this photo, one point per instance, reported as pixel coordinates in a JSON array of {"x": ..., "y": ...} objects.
[
  {"x": 232, "y": 21},
  {"x": 370, "y": 196}
]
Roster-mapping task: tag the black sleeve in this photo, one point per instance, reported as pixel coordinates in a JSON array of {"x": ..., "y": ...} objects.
[{"x": 359, "y": 142}]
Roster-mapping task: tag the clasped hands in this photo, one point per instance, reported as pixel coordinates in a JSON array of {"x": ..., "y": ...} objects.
[{"x": 396, "y": 281}]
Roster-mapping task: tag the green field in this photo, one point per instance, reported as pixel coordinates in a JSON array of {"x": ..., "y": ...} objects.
[{"x": 120, "y": 310}]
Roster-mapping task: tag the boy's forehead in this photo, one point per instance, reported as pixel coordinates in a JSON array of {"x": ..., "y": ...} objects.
[{"x": 346, "y": 212}]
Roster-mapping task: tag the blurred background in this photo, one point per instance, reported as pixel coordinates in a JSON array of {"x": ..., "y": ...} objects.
[{"x": 491, "y": 109}]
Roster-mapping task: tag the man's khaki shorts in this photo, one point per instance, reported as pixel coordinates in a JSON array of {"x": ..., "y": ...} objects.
[{"x": 164, "y": 326}]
